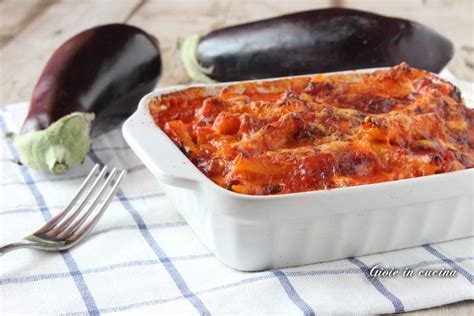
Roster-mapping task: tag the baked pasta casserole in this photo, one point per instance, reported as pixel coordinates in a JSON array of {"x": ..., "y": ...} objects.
[{"x": 321, "y": 132}]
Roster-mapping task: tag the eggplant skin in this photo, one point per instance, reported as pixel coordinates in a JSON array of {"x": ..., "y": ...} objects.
[
  {"x": 319, "y": 41},
  {"x": 104, "y": 70}
]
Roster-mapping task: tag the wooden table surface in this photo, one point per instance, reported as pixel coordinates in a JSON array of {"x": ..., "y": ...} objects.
[{"x": 31, "y": 29}]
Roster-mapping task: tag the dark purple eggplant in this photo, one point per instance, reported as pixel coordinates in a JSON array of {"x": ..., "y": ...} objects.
[
  {"x": 102, "y": 72},
  {"x": 313, "y": 42}
]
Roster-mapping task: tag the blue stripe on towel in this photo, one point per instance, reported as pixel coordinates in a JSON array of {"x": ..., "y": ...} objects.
[
  {"x": 33, "y": 209},
  {"x": 292, "y": 294},
  {"x": 49, "y": 276},
  {"x": 111, "y": 267},
  {"x": 70, "y": 262},
  {"x": 64, "y": 178},
  {"x": 397, "y": 304},
  {"x": 132, "y": 227},
  {"x": 167, "y": 263},
  {"x": 450, "y": 262},
  {"x": 114, "y": 148}
]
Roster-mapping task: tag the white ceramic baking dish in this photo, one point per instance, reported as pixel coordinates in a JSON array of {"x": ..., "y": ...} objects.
[{"x": 261, "y": 232}]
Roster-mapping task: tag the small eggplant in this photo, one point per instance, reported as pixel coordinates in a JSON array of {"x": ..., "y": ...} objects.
[
  {"x": 312, "y": 42},
  {"x": 102, "y": 72}
]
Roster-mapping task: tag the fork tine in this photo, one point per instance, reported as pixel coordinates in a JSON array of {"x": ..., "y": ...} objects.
[
  {"x": 55, "y": 219},
  {"x": 59, "y": 226},
  {"x": 71, "y": 228},
  {"x": 81, "y": 230}
]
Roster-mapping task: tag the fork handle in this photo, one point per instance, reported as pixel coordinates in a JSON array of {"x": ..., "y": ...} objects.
[{"x": 15, "y": 246}]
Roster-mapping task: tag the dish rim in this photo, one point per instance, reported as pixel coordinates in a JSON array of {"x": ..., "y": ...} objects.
[{"x": 144, "y": 117}]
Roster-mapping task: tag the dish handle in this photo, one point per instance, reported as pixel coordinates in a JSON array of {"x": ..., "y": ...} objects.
[
  {"x": 176, "y": 181},
  {"x": 159, "y": 154}
]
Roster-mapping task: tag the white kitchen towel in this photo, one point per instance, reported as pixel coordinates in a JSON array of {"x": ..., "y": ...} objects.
[{"x": 142, "y": 257}]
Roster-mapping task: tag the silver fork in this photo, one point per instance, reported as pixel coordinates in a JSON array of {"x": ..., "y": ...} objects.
[{"x": 70, "y": 226}]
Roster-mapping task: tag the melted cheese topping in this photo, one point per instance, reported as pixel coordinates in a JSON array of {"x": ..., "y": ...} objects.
[{"x": 321, "y": 132}]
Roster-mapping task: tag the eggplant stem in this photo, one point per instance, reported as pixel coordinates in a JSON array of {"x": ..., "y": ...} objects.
[
  {"x": 55, "y": 157},
  {"x": 188, "y": 47},
  {"x": 59, "y": 168}
]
